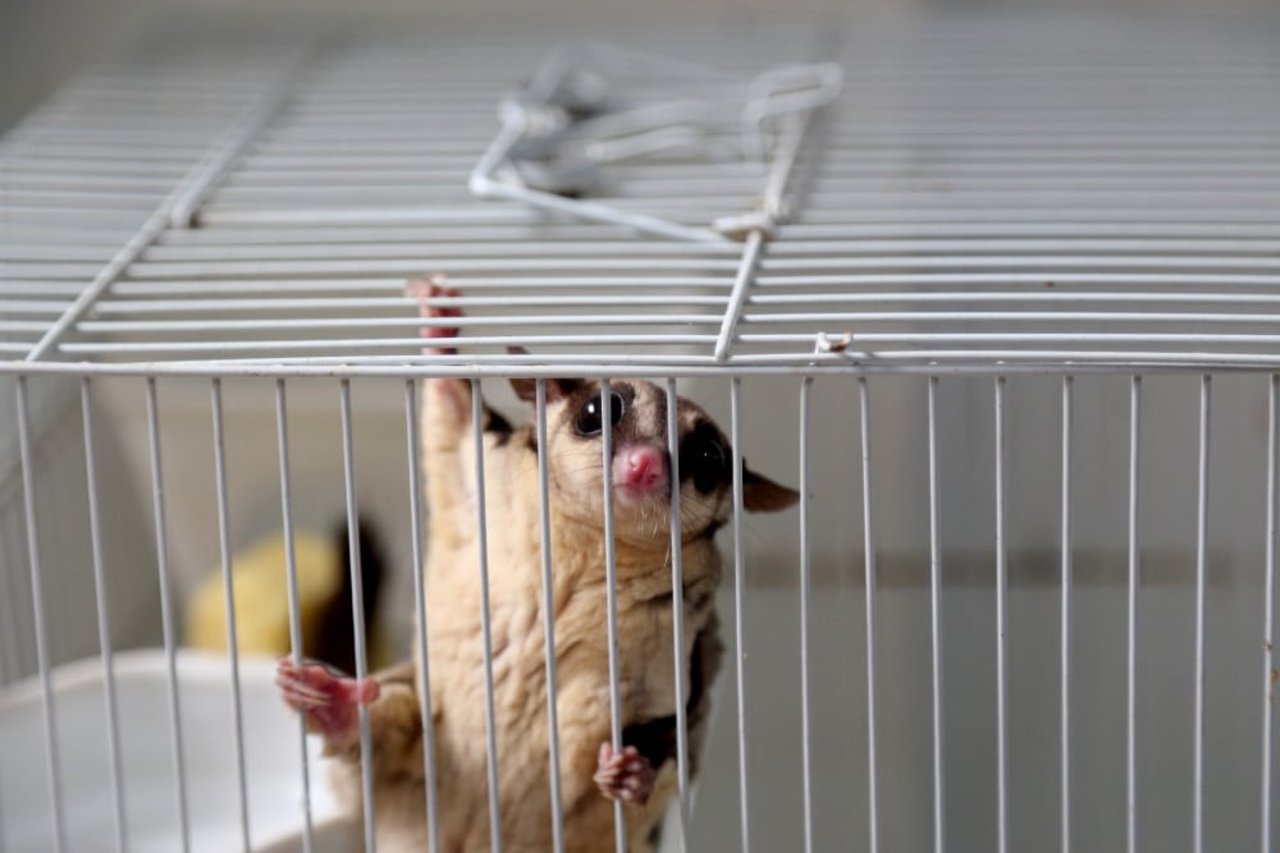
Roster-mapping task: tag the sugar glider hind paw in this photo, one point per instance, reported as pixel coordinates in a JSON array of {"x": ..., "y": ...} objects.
[{"x": 624, "y": 775}]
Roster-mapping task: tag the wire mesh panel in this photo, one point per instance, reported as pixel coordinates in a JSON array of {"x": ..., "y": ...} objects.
[{"x": 978, "y": 192}]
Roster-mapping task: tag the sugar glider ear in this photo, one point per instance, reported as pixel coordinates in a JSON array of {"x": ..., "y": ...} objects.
[
  {"x": 527, "y": 389},
  {"x": 760, "y": 494},
  {"x": 557, "y": 389}
]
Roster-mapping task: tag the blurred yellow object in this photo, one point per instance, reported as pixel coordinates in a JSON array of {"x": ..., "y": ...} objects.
[
  {"x": 262, "y": 596},
  {"x": 262, "y": 602}
]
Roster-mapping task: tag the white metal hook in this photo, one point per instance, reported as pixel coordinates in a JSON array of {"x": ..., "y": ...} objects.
[{"x": 787, "y": 90}]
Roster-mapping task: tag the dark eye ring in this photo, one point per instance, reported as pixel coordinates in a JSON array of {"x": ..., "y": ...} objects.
[
  {"x": 589, "y": 416},
  {"x": 704, "y": 462}
]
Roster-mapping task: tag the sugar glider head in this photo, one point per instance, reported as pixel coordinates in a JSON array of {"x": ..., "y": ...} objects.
[{"x": 641, "y": 465}]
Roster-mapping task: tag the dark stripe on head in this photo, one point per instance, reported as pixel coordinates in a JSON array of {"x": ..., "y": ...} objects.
[
  {"x": 498, "y": 425},
  {"x": 660, "y": 406}
]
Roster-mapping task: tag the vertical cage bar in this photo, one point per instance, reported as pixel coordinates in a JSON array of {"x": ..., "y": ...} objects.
[
  {"x": 548, "y": 618},
  {"x": 1131, "y": 639},
  {"x": 228, "y": 595},
  {"x": 869, "y": 564},
  {"x": 611, "y": 598},
  {"x": 43, "y": 660},
  {"x": 1064, "y": 712},
  {"x": 1202, "y": 525},
  {"x": 420, "y": 603},
  {"x": 166, "y": 611},
  {"x": 677, "y": 611},
  {"x": 935, "y": 619},
  {"x": 805, "y": 583},
  {"x": 291, "y": 577},
  {"x": 104, "y": 618},
  {"x": 486, "y": 635},
  {"x": 357, "y": 612},
  {"x": 1268, "y": 611},
  {"x": 739, "y": 607},
  {"x": 752, "y": 251},
  {"x": 1002, "y": 650}
]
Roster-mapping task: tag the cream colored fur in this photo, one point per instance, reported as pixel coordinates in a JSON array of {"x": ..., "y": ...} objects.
[{"x": 455, "y": 651}]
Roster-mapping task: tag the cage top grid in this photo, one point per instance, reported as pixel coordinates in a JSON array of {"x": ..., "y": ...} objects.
[{"x": 986, "y": 193}]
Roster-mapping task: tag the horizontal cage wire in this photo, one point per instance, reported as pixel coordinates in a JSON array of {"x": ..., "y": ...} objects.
[{"x": 999, "y": 295}]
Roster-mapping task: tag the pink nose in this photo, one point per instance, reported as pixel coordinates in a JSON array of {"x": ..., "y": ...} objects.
[{"x": 639, "y": 467}]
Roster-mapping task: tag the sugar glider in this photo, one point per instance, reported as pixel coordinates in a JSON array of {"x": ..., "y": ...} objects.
[{"x": 643, "y": 774}]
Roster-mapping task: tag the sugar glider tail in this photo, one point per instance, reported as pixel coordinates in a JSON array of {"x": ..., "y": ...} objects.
[{"x": 335, "y": 643}]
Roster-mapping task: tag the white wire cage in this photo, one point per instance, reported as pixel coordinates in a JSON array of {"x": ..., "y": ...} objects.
[{"x": 1037, "y": 244}]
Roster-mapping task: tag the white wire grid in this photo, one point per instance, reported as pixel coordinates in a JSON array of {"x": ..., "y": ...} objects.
[
  {"x": 1062, "y": 200},
  {"x": 1012, "y": 192}
]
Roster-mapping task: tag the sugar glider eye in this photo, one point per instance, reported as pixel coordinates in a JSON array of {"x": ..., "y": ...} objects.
[
  {"x": 589, "y": 417},
  {"x": 708, "y": 465},
  {"x": 703, "y": 461}
]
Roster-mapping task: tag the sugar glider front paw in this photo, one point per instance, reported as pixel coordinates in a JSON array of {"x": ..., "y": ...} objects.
[
  {"x": 449, "y": 396},
  {"x": 328, "y": 702},
  {"x": 624, "y": 775},
  {"x": 429, "y": 292}
]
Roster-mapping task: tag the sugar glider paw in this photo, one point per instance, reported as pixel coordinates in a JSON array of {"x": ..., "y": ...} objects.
[
  {"x": 428, "y": 292},
  {"x": 327, "y": 701},
  {"x": 449, "y": 393},
  {"x": 624, "y": 775}
]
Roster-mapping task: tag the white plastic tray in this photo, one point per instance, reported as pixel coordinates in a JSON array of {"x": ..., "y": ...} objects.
[{"x": 272, "y": 753}]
